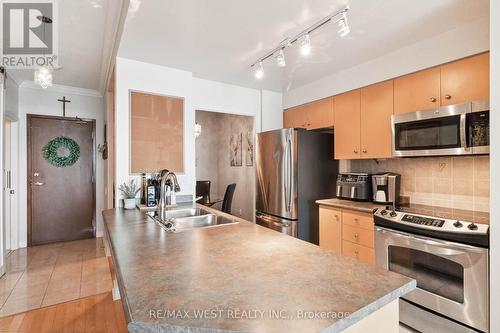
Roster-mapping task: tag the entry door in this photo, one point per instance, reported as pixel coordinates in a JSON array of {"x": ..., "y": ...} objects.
[{"x": 61, "y": 199}]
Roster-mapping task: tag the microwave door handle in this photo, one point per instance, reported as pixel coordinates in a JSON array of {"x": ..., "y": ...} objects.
[
  {"x": 440, "y": 246},
  {"x": 463, "y": 131}
]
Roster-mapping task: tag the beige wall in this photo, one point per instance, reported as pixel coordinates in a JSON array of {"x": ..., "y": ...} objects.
[
  {"x": 212, "y": 159},
  {"x": 455, "y": 182}
]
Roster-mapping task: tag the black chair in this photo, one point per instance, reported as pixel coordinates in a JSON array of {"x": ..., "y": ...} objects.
[
  {"x": 228, "y": 198},
  {"x": 203, "y": 190}
]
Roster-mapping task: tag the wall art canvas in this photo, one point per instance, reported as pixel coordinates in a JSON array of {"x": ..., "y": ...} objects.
[
  {"x": 236, "y": 155},
  {"x": 249, "y": 150}
]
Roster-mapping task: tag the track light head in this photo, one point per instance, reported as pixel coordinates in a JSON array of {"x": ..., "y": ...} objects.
[
  {"x": 259, "y": 71},
  {"x": 342, "y": 26},
  {"x": 280, "y": 59},
  {"x": 305, "y": 45}
]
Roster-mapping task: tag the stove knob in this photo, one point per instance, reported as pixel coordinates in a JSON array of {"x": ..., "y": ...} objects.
[
  {"x": 458, "y": 224},
  {"x": 383, "y": 212},
  {"x": 393, "y": 214},
  {"x": 472, "y": 226}
]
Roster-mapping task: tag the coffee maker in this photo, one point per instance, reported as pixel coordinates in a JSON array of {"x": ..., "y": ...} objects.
[{"x": 386, "y": 188}]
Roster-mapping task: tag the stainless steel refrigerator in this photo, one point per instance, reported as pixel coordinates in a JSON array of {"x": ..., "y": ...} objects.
[{"x": 294, "y": 168}]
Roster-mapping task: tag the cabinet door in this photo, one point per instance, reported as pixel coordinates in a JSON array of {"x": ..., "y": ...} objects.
[
  {"x": 330, "y": 229},
  {"x": 297, "y": 117},
  {"x": 417, "y": 91},
  {"x": 321, "y": 114},
  {"x": 376, "y": 111},
  {"x": 465, "y": 80},
  {"x": 289, "y": 117},
  {"x": 347, "y": 125},
  {"x": 360, "y": 252}
]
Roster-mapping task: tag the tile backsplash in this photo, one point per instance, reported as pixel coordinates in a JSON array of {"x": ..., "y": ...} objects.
[{"x": 460, "y": 182}]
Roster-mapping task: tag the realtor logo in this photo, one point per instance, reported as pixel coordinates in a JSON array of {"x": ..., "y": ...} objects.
[{"x": 28, "y": 34}]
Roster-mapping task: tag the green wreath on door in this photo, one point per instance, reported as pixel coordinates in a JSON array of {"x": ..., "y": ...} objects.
[{"x": 54, "y": 152}]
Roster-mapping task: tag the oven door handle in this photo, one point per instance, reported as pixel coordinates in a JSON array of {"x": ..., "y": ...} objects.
[{"x": 444, "y": 247}]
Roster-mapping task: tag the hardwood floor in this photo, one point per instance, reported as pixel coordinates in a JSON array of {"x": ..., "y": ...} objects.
[{"x": 98, "y": 313}]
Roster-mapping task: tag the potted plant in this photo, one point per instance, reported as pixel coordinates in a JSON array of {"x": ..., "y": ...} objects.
[{"x": 129, "y": 192}]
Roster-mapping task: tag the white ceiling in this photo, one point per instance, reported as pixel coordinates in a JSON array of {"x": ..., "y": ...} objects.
[
  {"x": 220, "y": 39},
  {"x": 85, "y": 30}
]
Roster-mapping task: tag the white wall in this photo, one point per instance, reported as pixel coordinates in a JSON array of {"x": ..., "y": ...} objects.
[
  {"x": 463, "y": 41},
  {"x": 11, "y": 98},
  {"x": 34, "y": 100},
  {"x": 495, "y": 165},
  {"x": 198, "y": 94}
]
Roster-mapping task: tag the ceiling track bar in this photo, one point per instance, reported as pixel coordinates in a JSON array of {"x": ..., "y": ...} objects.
[{"x": 289, "y": 41}]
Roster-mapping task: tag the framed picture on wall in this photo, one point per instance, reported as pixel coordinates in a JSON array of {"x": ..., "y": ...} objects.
[
  {"x": 236, "y": 156},
  {"x": 249, "y": 150}
]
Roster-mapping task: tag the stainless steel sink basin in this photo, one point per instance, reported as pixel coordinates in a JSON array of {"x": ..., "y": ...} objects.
[{"x": 190, "y": 218}]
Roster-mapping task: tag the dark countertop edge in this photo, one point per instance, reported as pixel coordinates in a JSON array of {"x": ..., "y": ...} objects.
[
  {"x": 369, "y": 309},
  {"x": 337, "y": 327},
  {"x": 119, "y": 280},
  {"x": 351, "y": 205}
]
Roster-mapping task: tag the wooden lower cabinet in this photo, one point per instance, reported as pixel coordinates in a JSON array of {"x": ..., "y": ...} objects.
[
  {"x": 360, "y": 252},
  {"x": 330, "y": 229},
  {"x": 348, "y": 232}
]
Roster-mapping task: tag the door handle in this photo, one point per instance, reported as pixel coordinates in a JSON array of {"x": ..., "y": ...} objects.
[{"x": 37, "y": 183}]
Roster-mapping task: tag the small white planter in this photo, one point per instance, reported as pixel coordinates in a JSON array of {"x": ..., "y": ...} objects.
[{"x": 129, "y": 203}]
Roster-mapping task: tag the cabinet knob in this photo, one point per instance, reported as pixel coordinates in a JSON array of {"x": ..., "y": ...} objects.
[
  {"x": 356, "y": 252},
  {"x": 336, "y": 217},
  {"x": 355, "y": 151},
  {"x": 365, "y": 151},
  {"x": 433, "y": 99},
  {"x": 447, "y": 96},
  {"x": 356, "y": 236}
]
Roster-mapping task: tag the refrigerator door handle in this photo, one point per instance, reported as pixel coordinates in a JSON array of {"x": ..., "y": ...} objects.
[{"x": 288, "y": 175}]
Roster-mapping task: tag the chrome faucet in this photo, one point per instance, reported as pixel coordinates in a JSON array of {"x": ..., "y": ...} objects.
[{"x": 174, "y": 186}]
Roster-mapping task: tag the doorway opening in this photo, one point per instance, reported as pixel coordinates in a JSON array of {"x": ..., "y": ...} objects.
[
  {"x": 61, "y": 179},
  {"x": 225, "y": 156}
]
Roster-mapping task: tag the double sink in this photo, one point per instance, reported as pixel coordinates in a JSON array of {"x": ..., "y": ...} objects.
[{"x": 183, "y": 219}]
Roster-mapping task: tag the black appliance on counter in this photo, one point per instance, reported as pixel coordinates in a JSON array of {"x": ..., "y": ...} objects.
[{"x": 354, "y": 186}]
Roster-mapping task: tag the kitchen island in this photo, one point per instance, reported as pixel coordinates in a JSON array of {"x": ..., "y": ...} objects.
[{"x": 245, "y": 278}]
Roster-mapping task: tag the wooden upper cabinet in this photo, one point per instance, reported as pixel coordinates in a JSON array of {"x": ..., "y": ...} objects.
[
  {"x": 347, "y": 125},
  {"x": 321, "y": 113},
  {"x": 315, "y": 115},
  {"x": 417, "y": 91},
  {"x": 465, "y": 80},
  {"x": 376, "y": 111}
]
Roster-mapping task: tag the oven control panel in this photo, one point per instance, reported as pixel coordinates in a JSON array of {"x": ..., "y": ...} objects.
[{"x": 428, "y": 221}]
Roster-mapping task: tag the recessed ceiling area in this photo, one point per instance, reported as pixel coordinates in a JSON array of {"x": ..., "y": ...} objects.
[
  {"x": 219, "y": 40},
  {"x": 85, "y": 29}
]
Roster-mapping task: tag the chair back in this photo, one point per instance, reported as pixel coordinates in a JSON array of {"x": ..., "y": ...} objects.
[
  {"x": 228, "y": 198},
  {"x": 203, "y": 190}
]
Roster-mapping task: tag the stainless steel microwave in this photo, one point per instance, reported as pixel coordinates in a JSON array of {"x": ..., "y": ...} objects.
[{"x": 461, "y": 129}]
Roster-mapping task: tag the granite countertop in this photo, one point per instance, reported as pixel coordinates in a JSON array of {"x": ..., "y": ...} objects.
[
  {"x": 361, "y": 206},
  {"x": 250, "y": 278}
]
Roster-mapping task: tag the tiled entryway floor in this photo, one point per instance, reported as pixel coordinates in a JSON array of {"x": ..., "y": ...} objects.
[{"x": 50, "y": 274}]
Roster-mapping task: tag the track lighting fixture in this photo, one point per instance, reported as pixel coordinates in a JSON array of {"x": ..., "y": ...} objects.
[
  {"x": 343, "y": 27},
  {"x": 259, "y": 71},
  {"x": 280, "y": 59},
  {"x": 339, "y": 18},
  {"x": 305, "y": 45}
]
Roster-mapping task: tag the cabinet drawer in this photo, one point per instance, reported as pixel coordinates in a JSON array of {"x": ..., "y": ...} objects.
[
  {"x": 359, "y": 252},
  {"x": 358, "y": 219},
  {"x": 330, "y": 229},
  {"x": 358, "y": 235}
]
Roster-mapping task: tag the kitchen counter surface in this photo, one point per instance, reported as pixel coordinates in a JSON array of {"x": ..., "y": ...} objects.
[
  {"x": 253, "y": 279},
  {"x": 361, "y": 206}
]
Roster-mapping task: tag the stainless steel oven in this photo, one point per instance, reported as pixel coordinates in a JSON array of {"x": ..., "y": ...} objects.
[
  {"x": 452, "y": 276},
  {"x": 460, "y": 129}
]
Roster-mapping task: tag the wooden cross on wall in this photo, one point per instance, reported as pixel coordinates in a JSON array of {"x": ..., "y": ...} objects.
[{"x": 64, "y": 101}]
